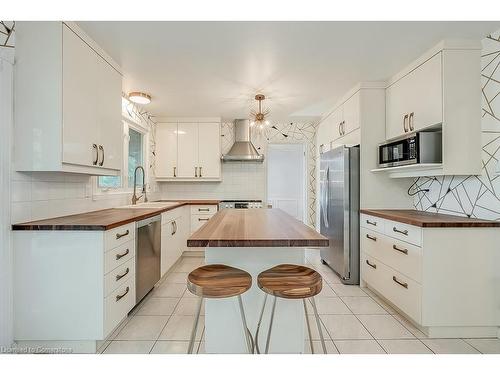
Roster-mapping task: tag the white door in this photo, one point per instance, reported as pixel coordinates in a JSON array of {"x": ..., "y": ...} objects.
[
  {"x": 166, "y": 150},
  {"x": 187, "y": 152},
  {"x": 351, "y": 113},
  {"x": 109, "y": 107},
  {"x": 286, "y": 176},
  {"x": 209, "y": 150},
  {"x": 80, "y": 122}
]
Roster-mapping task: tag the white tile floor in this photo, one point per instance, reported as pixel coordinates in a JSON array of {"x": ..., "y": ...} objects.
[{"x": 355, "y": 321}]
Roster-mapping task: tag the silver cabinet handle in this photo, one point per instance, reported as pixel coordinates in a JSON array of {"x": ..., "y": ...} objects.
[
  {"x": 204, "y": 209},
  {"x": 374, "y": 223},
  {"x": 404, "y": 285},
  {"x": 410, "y": 121},
  {"x": 102, "y": 160},
  {"x": 120, "y": 296},
  {"x": 119, "y": 256},
  {"x": 404, "y": 123},
  {"x": 340, "y": 126},
  {"x": 200, "y": 219},
  {"x": 195, "y": 171},
  {"x": 404, "y": 251},
  {"x": 120, "y": 235},
  {"x": 200, "y": 173},
  {"x": 118, "y": 277},
  {"x": 172, "y": 231},
  {"x": 175, "y": 226},
  {"x": 371, "y": 237},
  {"x": 94, "y": 148},
  {"x": 371, "y": 265},
  {"x": 175, "y": 171},
  {"x": 405, "y": 232},
  {"x": 343, "y": 127}
]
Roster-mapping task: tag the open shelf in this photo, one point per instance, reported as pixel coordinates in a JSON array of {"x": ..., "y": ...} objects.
[{"x": 413, "y": 170}]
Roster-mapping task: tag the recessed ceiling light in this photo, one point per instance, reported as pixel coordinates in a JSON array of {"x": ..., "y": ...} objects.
[{"x": 139, "y": 97}]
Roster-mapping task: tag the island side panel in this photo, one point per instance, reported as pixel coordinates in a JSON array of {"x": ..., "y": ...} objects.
[{"x": 223, "y": 327}]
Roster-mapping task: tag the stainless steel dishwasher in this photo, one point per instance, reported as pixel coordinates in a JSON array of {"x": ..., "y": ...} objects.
[{"x": 148, "y": 253}]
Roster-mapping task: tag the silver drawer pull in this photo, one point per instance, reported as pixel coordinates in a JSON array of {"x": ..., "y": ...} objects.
[
  {"x": 404, "y": 285},
  {"x": 204, "y": 209},
  {"x": 200, "y": 219},
  {"x": 371, "y": 237},
  {"x": 371, "y": 222},
  {"x": 120, "y": 296},
  {"x": 120, "y": 235},
  {"x": 118, "y": 277},
  {"x": 119, "y": 256},
  {"x": 404, "y": 251},
  {"x": 371, "y": 265},
  {"x": 405, "y": 232}
]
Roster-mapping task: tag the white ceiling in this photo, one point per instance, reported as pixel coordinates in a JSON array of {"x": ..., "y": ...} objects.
[{"x": 215, "y": 68}]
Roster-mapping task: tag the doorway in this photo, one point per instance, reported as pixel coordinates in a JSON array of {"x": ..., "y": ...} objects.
[{"x": 286, "y": 178}]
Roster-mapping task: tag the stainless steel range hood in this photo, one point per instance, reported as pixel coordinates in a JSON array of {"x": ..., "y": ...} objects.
[{"x": 243, "y": 149}]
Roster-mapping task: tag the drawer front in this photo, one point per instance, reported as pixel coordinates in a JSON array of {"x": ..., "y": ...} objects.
[
  {"x": 118, "y": 304},
  {"x": 118, "y": 276},
  {"x": 372, "y": 222},
  {"x": 404, "y": 232},
  {"x": 204, "y": 209},
  {"x": 118, "y": 256},
  {"x": 400, "y": 290},
  {"x": 118, "y": 236},
  {"x": 402, "y": 256},
  {"x": 197, "y": 221}
]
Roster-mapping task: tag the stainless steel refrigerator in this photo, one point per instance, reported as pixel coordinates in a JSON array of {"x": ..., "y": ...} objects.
[{"x": 339, "y": 211}]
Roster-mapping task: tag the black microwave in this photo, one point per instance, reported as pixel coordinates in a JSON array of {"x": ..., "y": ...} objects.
[{"x": 417, "y": 148}]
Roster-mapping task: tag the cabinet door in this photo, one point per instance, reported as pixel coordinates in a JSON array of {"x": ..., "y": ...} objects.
[
  {"x": 166, "y": 150},
  {"x": 80, "y": 120},
  {"x": 351, "y": 113},
  {"x": 426, "y": 94},
  {"x": 187, "y": 152},
  {"x": 336, "y": 119},
  {"x": 396, "y": 108},
  {"x": 109, "y": 107},
  {"x": 168, "y": 245},
  {"x": 209, "y": 150}
]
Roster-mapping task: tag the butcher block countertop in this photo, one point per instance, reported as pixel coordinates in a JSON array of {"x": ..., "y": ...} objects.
[
  {"x": 430, "y": 219},
  {"x": 255, "y": 228},
  {"x": 104, "y": 219}
]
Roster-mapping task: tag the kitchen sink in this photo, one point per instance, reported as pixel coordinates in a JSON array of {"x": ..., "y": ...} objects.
[{"x": 152, "y": 205}]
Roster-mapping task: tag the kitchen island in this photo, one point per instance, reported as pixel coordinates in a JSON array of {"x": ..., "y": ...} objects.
[{"x": 254, "y": 240}]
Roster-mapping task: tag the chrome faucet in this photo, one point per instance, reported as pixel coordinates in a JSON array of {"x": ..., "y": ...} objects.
[{"x": 135, "y": 198}]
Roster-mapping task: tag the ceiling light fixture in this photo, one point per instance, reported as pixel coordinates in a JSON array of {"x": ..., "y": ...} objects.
[
  {"x": 139, "y": 97},
  {"x": 258, "y": 118}
]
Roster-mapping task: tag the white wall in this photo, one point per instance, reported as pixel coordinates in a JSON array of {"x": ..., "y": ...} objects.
[{"x": 6, "y": 98}]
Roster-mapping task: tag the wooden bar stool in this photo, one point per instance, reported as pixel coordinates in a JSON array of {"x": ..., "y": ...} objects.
[
  {"x": 219, "y": 281},
  {"x": 290, "y": 281}
]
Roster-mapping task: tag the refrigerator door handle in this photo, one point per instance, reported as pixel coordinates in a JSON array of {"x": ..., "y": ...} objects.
[{"x": 326, "y": 194}]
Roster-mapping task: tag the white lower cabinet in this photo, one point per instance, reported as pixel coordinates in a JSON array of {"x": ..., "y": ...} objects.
[
  {"x": 172, "y": 237},
  {"x": 443, "y": 279},
  {"x": 72, "y": 287},
  {"x": 200, "y": 215}
]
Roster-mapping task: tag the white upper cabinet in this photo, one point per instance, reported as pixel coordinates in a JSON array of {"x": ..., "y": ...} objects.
[
  {"x": 440, "y": 91},
  {"x": 350, "y": 111},
  {"x": 415, "y": 102},
  {"x": 68, "y": 102},
  {"x": 188, "y": 151}
]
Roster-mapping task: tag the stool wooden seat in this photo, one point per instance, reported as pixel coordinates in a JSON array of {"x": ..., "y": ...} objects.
[
  {"x": 290, "y": 281},
  {"x": 218, "y": 281}
]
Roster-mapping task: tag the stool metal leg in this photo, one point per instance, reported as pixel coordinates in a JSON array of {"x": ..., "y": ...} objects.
[
  {"x": 257, "y": 349},
  {"x": 318, "y": 323},
  {"x": 195, "y": 326},
  {"x": 245, "y": 327},
  {"x": 270, "y": 325},
  {"x": 308, "y": 326}
]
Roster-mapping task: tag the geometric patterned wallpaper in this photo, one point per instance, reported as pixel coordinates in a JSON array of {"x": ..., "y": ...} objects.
[
  {"x": 473, "y": 196},
  {"x": 285, "y": 132}
]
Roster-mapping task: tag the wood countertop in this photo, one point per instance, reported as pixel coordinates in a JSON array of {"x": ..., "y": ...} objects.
[
  {"x": 430, "y": 219},
  {"x": 104, "y": 219},
  {"x": 255, "y": 228}
]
